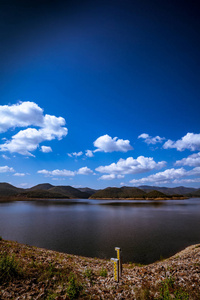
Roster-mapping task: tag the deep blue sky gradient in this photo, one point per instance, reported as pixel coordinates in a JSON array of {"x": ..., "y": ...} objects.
[{"x": 120, "y": 68}]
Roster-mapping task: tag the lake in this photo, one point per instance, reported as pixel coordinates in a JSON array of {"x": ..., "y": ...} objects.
[{"x": 145, "y": 230}]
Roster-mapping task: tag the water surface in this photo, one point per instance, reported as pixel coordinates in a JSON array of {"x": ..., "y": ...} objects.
[{"x": 145, "y": 230}]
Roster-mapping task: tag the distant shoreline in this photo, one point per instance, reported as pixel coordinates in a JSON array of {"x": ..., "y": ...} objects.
[
  {"x": 13, "y": 198},
  {"x": 150, "y": 199}
]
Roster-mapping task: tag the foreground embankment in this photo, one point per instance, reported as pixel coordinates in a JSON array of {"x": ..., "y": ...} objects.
[{"x": 33, "y": 273}]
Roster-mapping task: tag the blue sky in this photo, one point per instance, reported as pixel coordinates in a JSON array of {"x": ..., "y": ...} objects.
[{"x": 117, "y": 78}]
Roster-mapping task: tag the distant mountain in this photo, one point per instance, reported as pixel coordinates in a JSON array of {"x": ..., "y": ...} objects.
[
  {"x": 44, "y": 190},
  {"x": 7, "y": 190},
  {"x": 195, "y": 193},
  {"x": 132, "y": 193},
  {"x": 62, "y": 191},
  {"x": 156, "y": 194},
  {"x": 49, "y": 191},
  {"x": 69, "y": 191},
  {"x": 42, "y": 194},
  {"x": 168, "y": 191},
  {"x": 87, "y": 190},
  {"x": 116, "y": 193},
  {"x": 42, "y": 186}
]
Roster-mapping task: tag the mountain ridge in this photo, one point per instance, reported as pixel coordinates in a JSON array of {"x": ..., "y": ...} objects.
[{"x": 47, "y": 190}]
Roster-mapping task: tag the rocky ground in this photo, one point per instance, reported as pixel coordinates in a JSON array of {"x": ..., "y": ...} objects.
[{"x": 36, "y": 273}]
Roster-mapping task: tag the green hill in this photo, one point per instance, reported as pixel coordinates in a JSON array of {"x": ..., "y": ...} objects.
[
  {"x": 131, "y": 193},
  {"x": 48, "y": 191},
  {"x": 181, "y": 190},
  {"x": 116, "y": 193},
  {"x": 8, "y": 190},
  {"x": 87, "y": 190},
  {"x": 42, "y": 194},
  {"x": 69, "y": 191},
  {"x": 42, "y": 186},
  {"x": 196, "y": 193},
  {"x": 156, "y": 194}
]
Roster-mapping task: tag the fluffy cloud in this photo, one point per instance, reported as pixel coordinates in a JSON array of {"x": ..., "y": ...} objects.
[
  {"x": 151, "y": 140},
  {"x": 66, "y": 173},
  {"x": 162, "y": 177},
  {"x": 190, "y": 141},
  {"x": 46, "y": 149},
  {"x": 186, "y": 180},
  {"x": 22, "y": 114},
  {"x": 84, "y": 171},
  {"x": 107, "y": 144},
  {"x": 89, "y": 153},
  {"x": 56, "y": 172},
  {"x": 5, "y": 169},
  {"x": 131, "y": 166},
  {"x": 29, "y": 114},
  {"x": 107, "y": 177},
  {"x": 19, "y": 174},
  {"x": 5, "y": 157},
  {"x": 192, "y": 160},
  {"x": 76, "y": 154},
  {"x": 110, "y": 177},
  {"x": 194, "y": 172}
]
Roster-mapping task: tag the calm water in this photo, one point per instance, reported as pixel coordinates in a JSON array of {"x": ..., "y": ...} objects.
[{"x": 144, "y": 230}]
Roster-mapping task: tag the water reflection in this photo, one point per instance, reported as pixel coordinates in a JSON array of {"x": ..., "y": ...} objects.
[{"x": 145, "y": 230}]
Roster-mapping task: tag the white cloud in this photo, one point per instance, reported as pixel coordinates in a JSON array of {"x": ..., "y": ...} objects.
[
  {"x": 84, "y": 171},
  {"x": 131, "y": 166},
  {"x": 56, "y": 172},
  {"x": 19, "y": 174},
  {"x": 5, "y": 157},
  {"x": 162, "y": 177},
  {"x": 186, "y": 180},
  {"x": 5, "y": 169},
  {"x": 89, "y": 153},
  {"x": 120, "y": 176},
  {"x": 192, "y": 160},
  {"x": 22, "y": 114},
  {"x": 110, "y": 177},
  {"x": 46, "y": 149},
  {"x": 64, "y": 172},
  {"x": 107, "y": 144},
  {"x": 194, "y": 172},
  {"x": 190, "y": 141},
  {"x": 151, "y": 140},
  {"x": 76, "y": 154},
  {"x": 26, "y": 114},
  {"x": 107, "y": 177}
]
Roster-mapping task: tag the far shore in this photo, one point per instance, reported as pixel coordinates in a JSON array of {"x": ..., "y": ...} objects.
[
  {"x": 13, "y": 198},
  {"x": 152, "y": 199}
]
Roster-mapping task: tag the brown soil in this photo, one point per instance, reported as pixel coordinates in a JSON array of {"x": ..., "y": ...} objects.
[{"x": 45, "y": 274}]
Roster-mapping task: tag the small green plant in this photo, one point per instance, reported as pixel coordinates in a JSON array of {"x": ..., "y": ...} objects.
[
  {"x": 165, "y": 288},
  {"x": 88, "y": 273},
  {"x": 181, "y": 295},
  {"x": 103, "y": 272},
  {"x": 1, "y": 238},
  {"x": 74, "y": 288},
  {"x": 9, "y": 268},
  {"x": 51, "y": 296},
  {"x": 51, "y": 270},
  {"x": 168, "y": 291}
]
